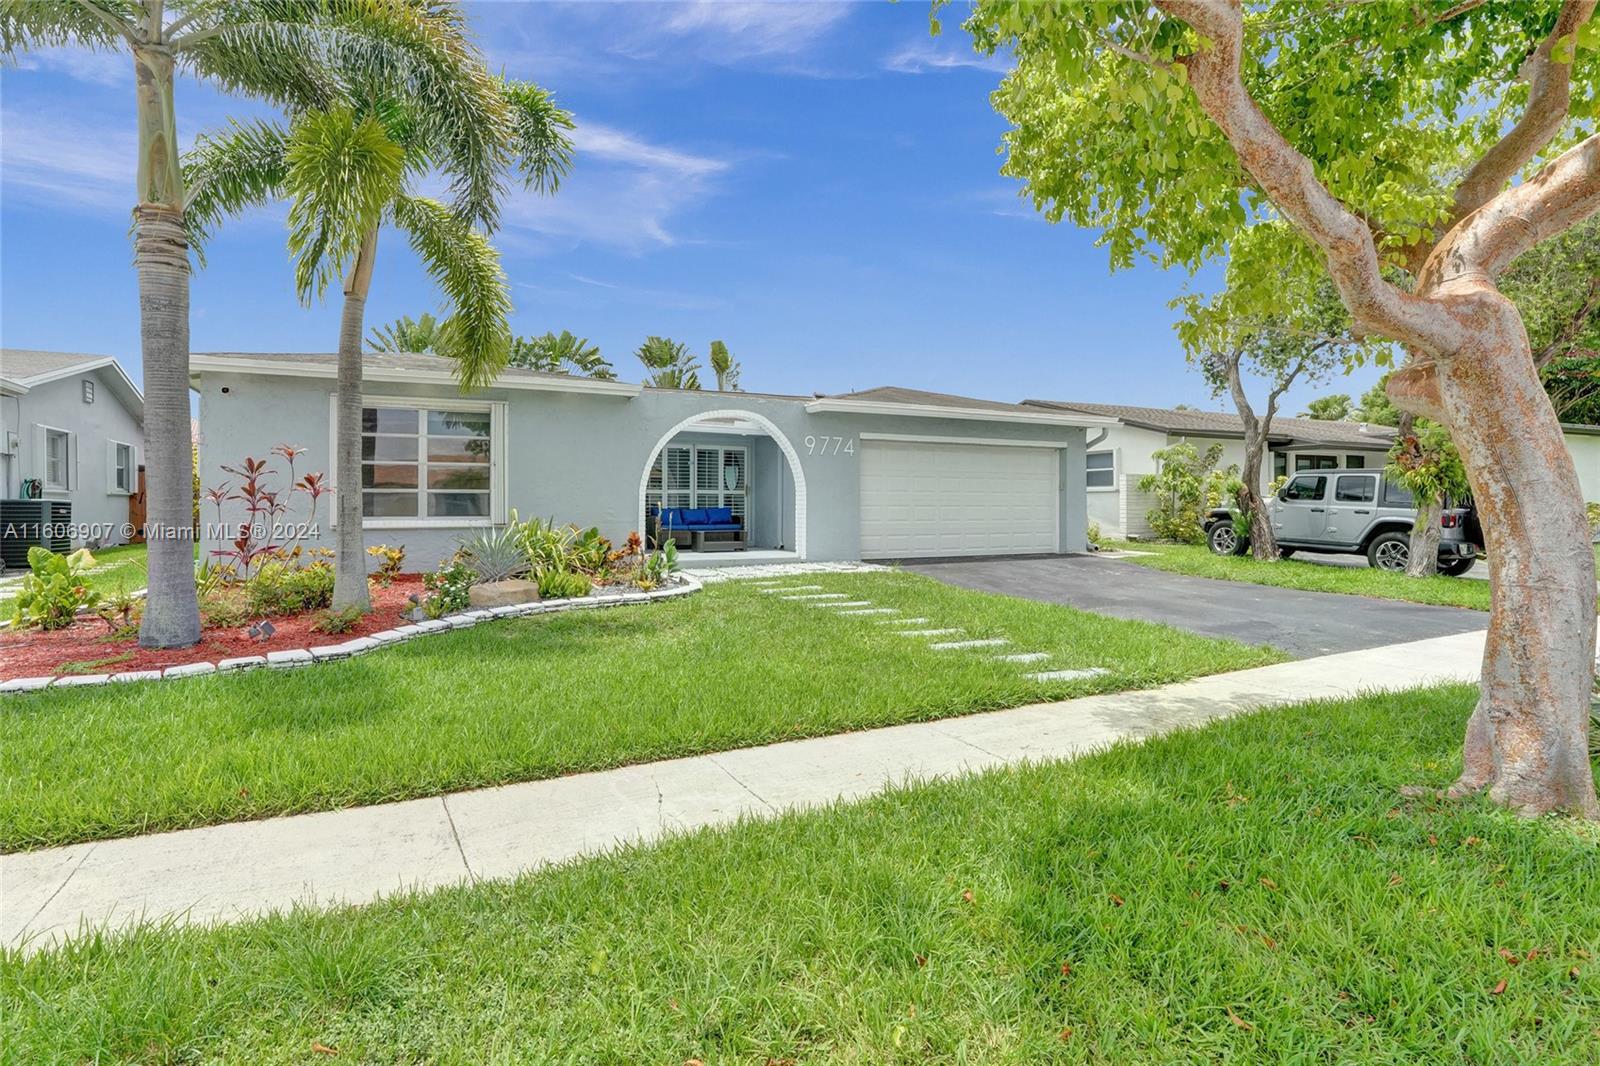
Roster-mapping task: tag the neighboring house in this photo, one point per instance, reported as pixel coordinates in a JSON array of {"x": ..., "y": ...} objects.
[
  {"x": 1120, "y": 455},
  {"x": 887, "y": 473},
  {"x": 73, "y": 424}
]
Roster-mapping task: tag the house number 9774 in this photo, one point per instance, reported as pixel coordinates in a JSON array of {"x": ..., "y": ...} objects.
[{"x": 830, "y": 445}]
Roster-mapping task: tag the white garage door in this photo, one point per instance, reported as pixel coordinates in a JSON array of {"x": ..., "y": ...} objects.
[{"x": 921, "y": 499}]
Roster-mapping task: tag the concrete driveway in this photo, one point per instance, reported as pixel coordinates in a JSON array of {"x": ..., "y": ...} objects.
[{"x": 1303, "y": 624}]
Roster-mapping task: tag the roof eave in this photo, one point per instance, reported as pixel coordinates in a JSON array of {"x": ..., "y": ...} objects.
[
  {"x": 267, "y": 368},
  {"x": 838, "y": 405}
]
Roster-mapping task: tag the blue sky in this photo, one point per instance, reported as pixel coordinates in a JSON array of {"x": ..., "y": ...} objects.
[{"x": 817, "y": 185}]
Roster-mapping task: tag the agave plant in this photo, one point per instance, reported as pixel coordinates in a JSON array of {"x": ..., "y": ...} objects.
[{"x": 494, "y": 554}]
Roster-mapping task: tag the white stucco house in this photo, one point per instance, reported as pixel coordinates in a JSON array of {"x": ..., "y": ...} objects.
[
  {"x": 71, "y": 432},
  {"x": 1117, "y": 456}
]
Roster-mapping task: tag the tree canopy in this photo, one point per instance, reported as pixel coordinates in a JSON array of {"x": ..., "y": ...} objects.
[{"x": 1334, "y": 408}]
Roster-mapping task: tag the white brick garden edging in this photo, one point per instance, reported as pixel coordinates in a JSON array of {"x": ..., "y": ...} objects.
[{"x": 295, "y": 657}]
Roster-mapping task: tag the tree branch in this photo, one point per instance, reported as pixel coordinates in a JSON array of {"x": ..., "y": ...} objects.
[
  {"x": 1289, "y": 180},
  {"x": 1564, "y": 192},
  {"x": 1549, "y": 94}
]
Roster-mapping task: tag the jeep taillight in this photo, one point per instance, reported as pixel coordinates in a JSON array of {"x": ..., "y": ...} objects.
[{"x": 1450, "y": 521}]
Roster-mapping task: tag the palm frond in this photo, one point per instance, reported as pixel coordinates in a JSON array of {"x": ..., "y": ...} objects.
[
  {"x": 564, "y": 354},
  {"x": 243, "y": 166},
  {"x": 466, "y": 266},
  {"x": 406, "y": 334},
  {"x": 542, "y": 149},
  {"x": 342, "y": 172},
  {"x": 28, "y": 25}
]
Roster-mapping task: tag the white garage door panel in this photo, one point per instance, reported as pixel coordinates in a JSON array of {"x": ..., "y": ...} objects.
[{"x": 920, "y": 499}]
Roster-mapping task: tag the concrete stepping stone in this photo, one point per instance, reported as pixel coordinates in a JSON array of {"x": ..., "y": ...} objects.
[
  {"x": 1023, "y": 657},
  {"x": 845, "y": 603},
  {"x": 952, "y": 645},
  {"x": 928, "y": 632},
  {"x": 791, "y": 588},
  {"x": 1067, "y": 675},
  {"x": 871, "y": 610},
  {"x": 903, "y": 622},
  {"x": 815, "y": 596}
]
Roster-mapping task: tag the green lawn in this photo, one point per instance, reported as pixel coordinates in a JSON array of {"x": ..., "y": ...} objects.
[
  {"x": 529, "y": 698},
  {"x": 1254, "y": 891},
  {"x": 120, "y": 567},
  {"x": 1198, "y": 561}
]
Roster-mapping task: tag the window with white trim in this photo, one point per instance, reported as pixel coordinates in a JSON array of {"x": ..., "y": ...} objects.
[
  {"x": 427, "y": 462},
  {"x": 57, "y": 458},
  {"x": 121, "y": 466},
  {"x": 1102, "y": 470},
  {"x": 699, "y": 475}
]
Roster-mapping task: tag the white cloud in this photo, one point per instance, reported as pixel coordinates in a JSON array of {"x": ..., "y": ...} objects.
[
  {"x": 624, "y": 193},
  {"x": 113, "y": 69},
  {"x": 927, "y": 56},
  {"x": 614, "y": 145},
  {"x": 50, "y": 158},
  {"x": 752, "y": 29}
]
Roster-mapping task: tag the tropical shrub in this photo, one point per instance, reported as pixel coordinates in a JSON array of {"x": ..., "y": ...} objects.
[
  {"x": 342, "y": 620},
  {"x": 267, "y": 509},
  {"x": 1593, "y": 510},
  {"x": 563, "y": 584},
  {"x": 1184, "y": 484},
  {"x": 120, "y": 611},
  {"x": 494, "y": 554},
  {"x": 221, "y": 609},
  {"x": 590, "y": 553},
  {"x": 279, "y": 586},
  {"x": 390, "y": 559},
  {"x": 1093, "y": 534},
  {"x": 53, "y": 589},
  {"x": 546, "y": 545},
  {"x": 448, "y": 588},
  {"x": 658, "y": 568}
]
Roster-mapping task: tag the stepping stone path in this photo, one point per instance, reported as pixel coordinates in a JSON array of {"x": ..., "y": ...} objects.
[{"x": 817, "y": 596}]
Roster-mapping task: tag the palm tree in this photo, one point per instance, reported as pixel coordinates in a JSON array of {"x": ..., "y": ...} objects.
[
  {"x": 406, "y": 334},
  {"x": 725, "y": 366},
  {"x": 563, "y": 354},
  {"x": 290, "y": 53},
  {"x": 670, "y": 364},
  {"x": 348, "y": 171}
]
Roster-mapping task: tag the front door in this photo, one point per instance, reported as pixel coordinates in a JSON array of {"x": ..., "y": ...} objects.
[{"x": 1301, "y": 513}]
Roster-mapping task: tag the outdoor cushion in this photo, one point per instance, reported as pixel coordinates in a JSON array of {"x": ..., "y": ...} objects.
[
  {"x": 694, "y": 516},
  {"x": 719, "y": 514}
]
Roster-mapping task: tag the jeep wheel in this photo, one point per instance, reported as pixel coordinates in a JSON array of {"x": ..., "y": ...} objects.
[
  {"x": 1389, "y": 551},
  {"x": 1224, "y": 541},
  {"x": 1457, "y": 567}
]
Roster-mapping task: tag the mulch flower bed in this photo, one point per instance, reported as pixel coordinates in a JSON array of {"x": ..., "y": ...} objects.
[{"x": 86, "y": 646}]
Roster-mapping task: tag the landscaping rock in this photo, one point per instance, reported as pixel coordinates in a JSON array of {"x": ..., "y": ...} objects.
[
  {"x": 503, "y": 593},
  {"x": 241, "y": 662},
  {"x": 290, "y": 657},
  {"x": 137, "y": 675},
  {"x": 329, "y": 651},
  {"x": 190, "y": 670},
  {"x": 83, "y": 679},
  {"x": 24, "y": 684}
]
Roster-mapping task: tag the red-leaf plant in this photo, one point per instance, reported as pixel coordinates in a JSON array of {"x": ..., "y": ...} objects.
[{"x": 266, "y": 510}]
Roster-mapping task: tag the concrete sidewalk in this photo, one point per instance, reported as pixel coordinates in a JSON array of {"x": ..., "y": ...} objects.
[{"x": 232, "y": 872}]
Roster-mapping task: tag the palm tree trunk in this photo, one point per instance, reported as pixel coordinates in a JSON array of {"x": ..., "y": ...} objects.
[
  {"x": 161, "y": 254},
  {"x": 349, "y": 543}
]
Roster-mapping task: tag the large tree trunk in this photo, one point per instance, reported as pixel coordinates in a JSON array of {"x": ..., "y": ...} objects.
[
  {"x": 349, "y": 544},
  {"x": 1423, "y": 558},
  {"x": 161, "y": 254},
  {"x": 1527, "y": 740}
]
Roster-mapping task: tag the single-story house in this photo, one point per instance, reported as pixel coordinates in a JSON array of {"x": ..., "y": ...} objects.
[
  {"x": 1118, "y": 456},
  {"x": 71, "y": 432},
  {"x": 885, "y": 473}
]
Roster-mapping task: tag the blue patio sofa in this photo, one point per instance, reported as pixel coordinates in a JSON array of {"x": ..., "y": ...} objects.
[{"x": 727, "y": 532}]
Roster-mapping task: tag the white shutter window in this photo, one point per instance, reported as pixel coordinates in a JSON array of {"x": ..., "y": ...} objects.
[
  {"x": 111, "y": 467},
  {"x": 72, "y": 462},
  {"x": 39, "y": 459},
  {"x": 679, "y": 477}
]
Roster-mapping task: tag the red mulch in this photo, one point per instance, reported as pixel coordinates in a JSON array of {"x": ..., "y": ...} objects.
[{"x": 34, "y": 653}]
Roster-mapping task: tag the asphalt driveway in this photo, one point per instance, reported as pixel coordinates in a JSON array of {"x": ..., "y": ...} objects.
[{"x": 1303, "y": 624}]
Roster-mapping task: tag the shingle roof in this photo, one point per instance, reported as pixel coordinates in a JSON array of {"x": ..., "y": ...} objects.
[
  {"x": 1224, "y": 424},
  {"x": 22, "y": 364},
  {"x": 896, "y": 394}
]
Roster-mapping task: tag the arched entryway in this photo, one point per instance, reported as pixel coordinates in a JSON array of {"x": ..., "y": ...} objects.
[{"x": 742, "y": 422}]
